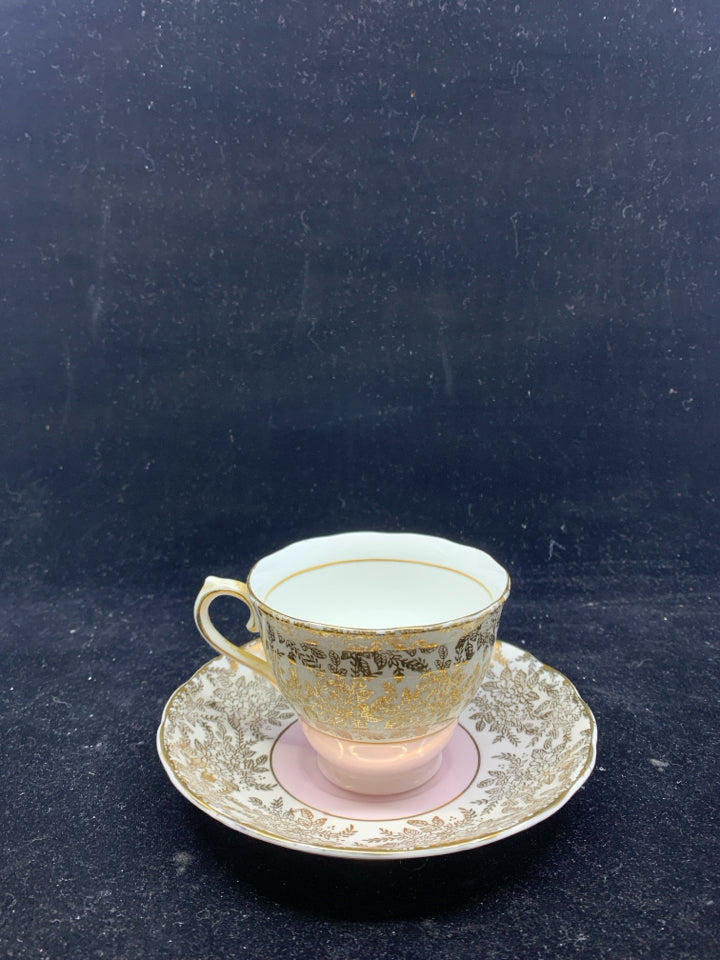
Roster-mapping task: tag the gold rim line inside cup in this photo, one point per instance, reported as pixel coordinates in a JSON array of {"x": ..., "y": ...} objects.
[
  {"x": 470, "y": 563},
  {"x": 337, "y": 563},
  {"x": 322, "y": 628}
]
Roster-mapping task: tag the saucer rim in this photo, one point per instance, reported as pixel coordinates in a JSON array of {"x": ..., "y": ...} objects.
[{"x": 373, "y": 853}]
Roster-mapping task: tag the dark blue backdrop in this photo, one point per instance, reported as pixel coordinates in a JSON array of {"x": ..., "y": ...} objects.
[
  {"x": 275, "y": 269},
  {"x": 271, "y": 269}
]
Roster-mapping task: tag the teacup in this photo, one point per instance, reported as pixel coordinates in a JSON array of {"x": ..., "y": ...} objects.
[{"x": 377, "y": 640}]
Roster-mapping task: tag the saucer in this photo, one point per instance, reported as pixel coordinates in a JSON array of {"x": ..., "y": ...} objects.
[{"x": 231, "y": 744}]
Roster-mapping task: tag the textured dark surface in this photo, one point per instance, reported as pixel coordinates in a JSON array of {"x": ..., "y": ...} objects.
[
  {"x": 105, "y": 859},
  {"x": 269, "y": 270}
]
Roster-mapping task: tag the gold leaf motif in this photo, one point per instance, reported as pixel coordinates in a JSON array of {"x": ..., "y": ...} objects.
[{"x": 534, "y": 734}]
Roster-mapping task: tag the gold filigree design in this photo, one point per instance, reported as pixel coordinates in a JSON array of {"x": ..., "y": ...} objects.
[
  {"x": 218, "y": 730},
  {"x": 370, "y": 709},
  {"x": 374, "y": 694},
  {"x": 331, "y": 702},
  {"x": 375, "y": 655},
  {"x": 435, "y": 699},
  {"x": 430, "y": 831}
]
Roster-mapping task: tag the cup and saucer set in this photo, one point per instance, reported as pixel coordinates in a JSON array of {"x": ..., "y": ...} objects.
[{"x": 377, "y": 715}]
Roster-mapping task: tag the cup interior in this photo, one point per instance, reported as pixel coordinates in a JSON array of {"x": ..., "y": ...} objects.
[{"x": 378, "y": 581}]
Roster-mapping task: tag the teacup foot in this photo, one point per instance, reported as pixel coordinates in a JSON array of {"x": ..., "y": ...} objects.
[{"x": 380, "y": 768}]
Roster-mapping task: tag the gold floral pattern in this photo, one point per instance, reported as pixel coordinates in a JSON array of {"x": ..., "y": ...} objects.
[
  {"x": 389, "y": 709},
  {"x": 369, "y": 660},
  {"x": 370, "y": 693},
  {"x": 535, "y": 736}
]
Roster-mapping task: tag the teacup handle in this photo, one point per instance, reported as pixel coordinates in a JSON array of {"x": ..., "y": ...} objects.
[{"x": 222, "y": 587}]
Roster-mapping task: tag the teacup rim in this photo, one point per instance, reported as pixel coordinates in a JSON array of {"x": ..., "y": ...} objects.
[{"x": 394, "y": 631}]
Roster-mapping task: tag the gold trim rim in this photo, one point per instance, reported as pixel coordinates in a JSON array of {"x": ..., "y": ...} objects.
[{"x": 324, "y": 628}]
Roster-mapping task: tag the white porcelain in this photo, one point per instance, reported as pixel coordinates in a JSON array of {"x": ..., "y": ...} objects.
[{"x": 524, "y": 745}]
